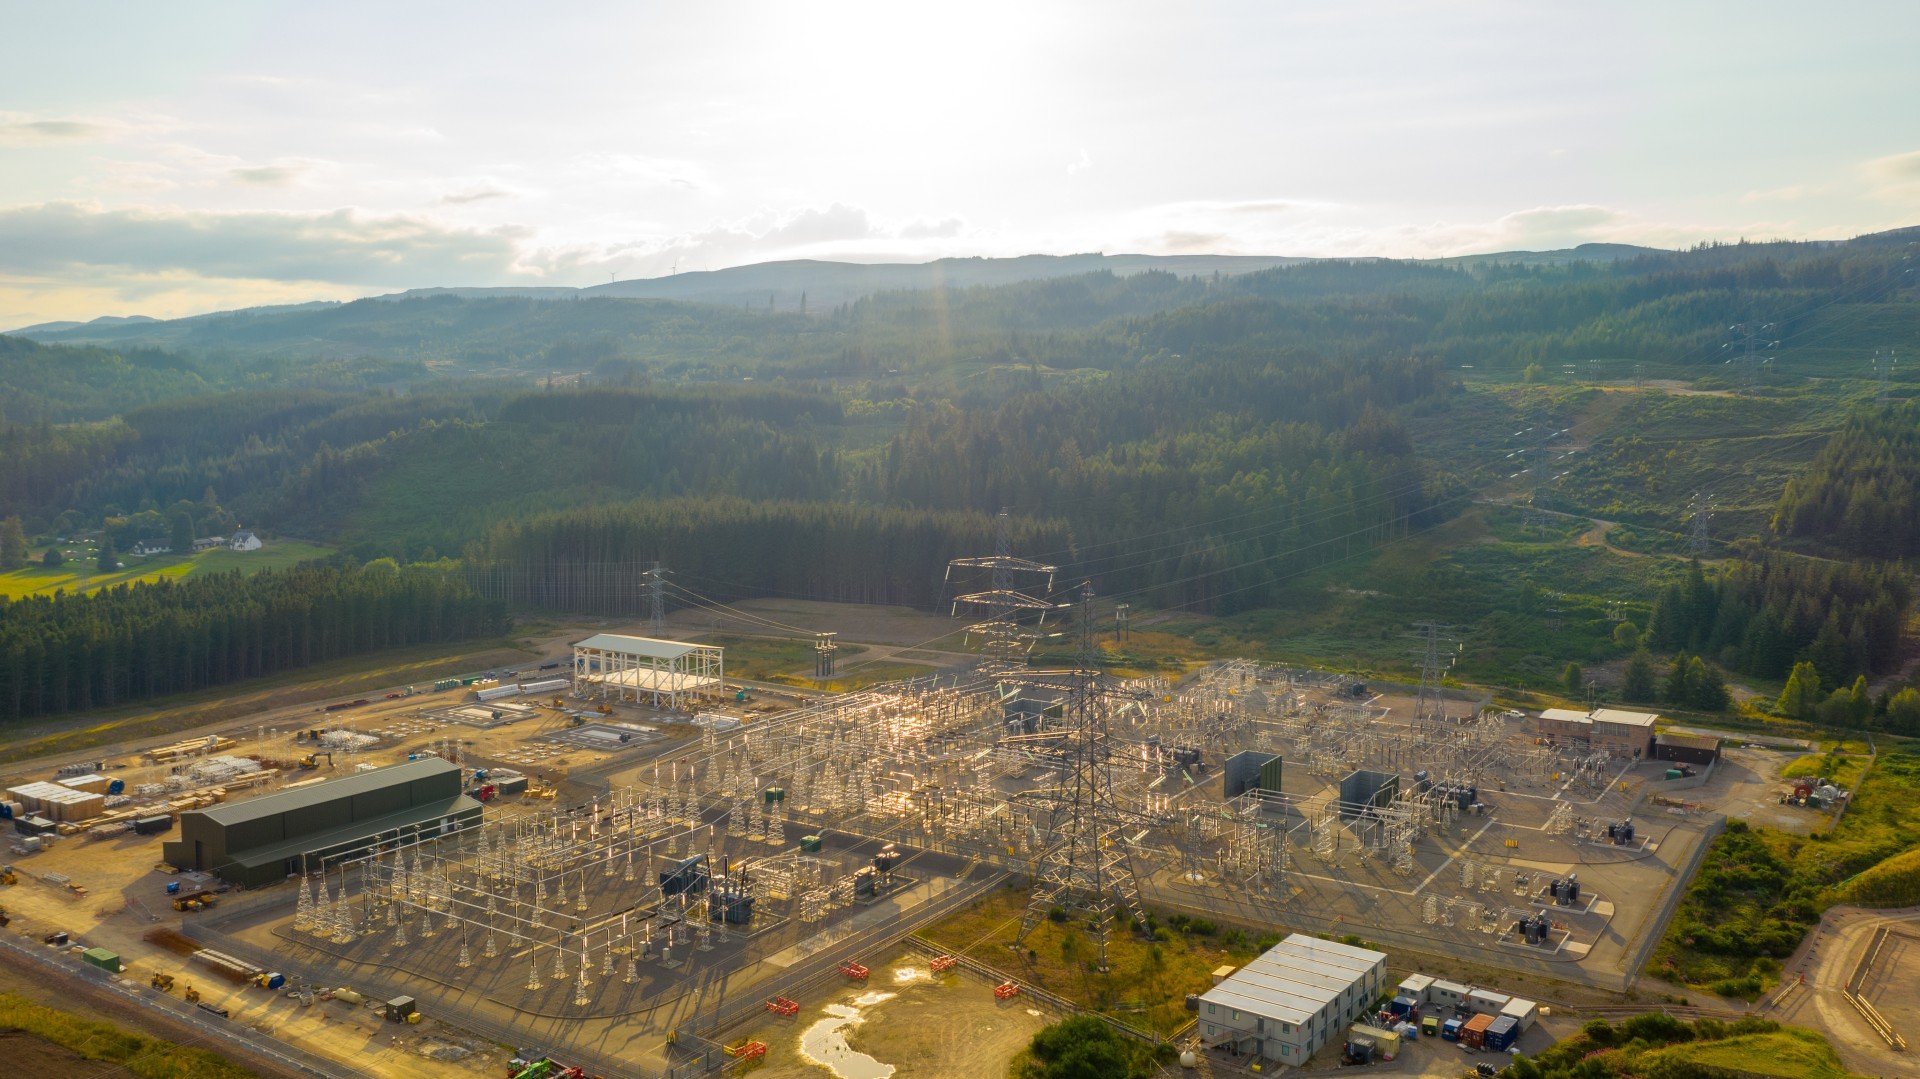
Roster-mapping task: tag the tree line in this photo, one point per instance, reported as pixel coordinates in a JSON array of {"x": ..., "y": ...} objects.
[
  {"x": 1861, "y": 494},
  {"x": 1768, "y": 610},
  {"x": 65, "y": 653}
]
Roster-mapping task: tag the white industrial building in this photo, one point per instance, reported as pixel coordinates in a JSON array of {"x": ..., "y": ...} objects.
[
  {"x": 1296, "y": 997},
  {"x": 666, "y": 674}
]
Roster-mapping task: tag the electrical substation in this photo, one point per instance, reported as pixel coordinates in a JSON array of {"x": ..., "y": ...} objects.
[{"x": 724, "y": 867}]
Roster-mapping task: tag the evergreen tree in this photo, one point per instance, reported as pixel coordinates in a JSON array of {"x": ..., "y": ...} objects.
[
  {"x": 13, "y": 544},
  {"x": 181, "y": 533},
  {"x": 1706, "y": 688},
  {"x": 1677, "y": 690},
  {"x": 1802, "y": 692},
  {"x": 1573, "y": 680},
  {"x": 109, "y": 559},
  {"x": 1861, "y": 703},
  {"x": 1638, "y": 685},
  {"x": 54, "y": 558}
]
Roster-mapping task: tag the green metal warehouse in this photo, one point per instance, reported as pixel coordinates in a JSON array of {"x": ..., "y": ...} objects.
[{"x": 264, "y": 839}]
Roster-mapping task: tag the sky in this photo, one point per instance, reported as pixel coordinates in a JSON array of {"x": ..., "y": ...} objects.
[{"x": 171, "y": 159}]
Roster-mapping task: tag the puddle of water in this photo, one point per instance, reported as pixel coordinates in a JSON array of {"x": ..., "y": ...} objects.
[
  {"x": 910, "y": 975},
  {"x": 825, "y": 1045}
]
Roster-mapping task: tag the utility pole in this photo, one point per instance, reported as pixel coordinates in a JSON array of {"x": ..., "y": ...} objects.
[
  {"x": 823, "y": 654},
  {"x": 1122, "y": 619},
  {"x": 1701, "y": 541}
]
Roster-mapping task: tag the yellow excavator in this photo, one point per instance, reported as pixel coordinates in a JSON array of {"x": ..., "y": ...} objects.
[
  {"x": 162, "y": 982},
  {"x": 312, "y": 760},
  {"x": 192, "y": 995}
]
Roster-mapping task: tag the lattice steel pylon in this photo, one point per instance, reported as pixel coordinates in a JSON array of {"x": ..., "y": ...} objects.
[
  {"x": 1089, "y": 870},
  {"x": 1002, "y": 603},
  {"x": 1435, "y": 662}
]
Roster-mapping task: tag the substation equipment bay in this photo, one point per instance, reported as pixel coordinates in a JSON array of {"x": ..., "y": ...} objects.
[{"x": 631, "y": 925}]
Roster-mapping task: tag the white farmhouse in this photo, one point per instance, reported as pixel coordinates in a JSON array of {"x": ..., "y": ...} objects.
[{"x": 244, "y": 541}]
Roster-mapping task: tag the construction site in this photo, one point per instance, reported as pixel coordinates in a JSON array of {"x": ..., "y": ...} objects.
[{"x": 631, "y": 866}]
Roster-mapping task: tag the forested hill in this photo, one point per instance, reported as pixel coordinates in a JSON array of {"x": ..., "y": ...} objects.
[{"x": 1506, "y": 312}]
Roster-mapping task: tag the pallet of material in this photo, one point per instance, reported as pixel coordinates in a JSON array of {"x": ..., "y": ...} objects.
[
  {"x": 225, "y": 965},
  {"x": 191, "y": 748}
]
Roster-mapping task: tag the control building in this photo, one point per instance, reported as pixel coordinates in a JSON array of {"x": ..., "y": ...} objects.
[{"x": 1299, "y": 995}]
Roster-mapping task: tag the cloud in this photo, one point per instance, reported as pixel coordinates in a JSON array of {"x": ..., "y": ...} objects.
[
  {"x": 16, "y": 129},
  {"x": 932, "y": 230},
  {"x": 472, "y": 195},
  {"x": 1081, "y": 163},
  {"x": 76, "y": 240},
  {"x": 1895, "y": 174},
  {"x": 267, "y": 175}
]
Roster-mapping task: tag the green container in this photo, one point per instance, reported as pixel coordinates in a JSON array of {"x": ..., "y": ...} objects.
[
  {"x": 776, "y": 794},
  {"x": 1675, "y": 773},
  {"x": 102, "y": 958},
  {"x": 810, "y": 844}
]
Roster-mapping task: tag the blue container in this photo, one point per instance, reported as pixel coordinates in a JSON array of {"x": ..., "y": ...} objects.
[
  {"x": 1450, "y": 1030},
  {"x": 1503, "y": 1032},
  {"x": 173, "y": 888},
  {"x": 6, "y": 811},
  {"x": 116, "y": 786},
  {"x": 1403, "y": 1005},
  {"x": 275, "y": 981}
]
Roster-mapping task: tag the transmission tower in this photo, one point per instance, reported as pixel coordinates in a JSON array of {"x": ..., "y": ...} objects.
[
  {"x": 1088, "y": 871},
  {"x": 1701, "y": 540},
  {"x": 1002, "y": 603},
  {"x": 657, "y": 601},
  {"x": 1438, "y": 654},
  {"x": 1885, "y": 360},
  {"x": 1753, "y": 340}
]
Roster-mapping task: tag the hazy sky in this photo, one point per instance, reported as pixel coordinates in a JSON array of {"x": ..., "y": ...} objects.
[{"x": 167, "y": 159}]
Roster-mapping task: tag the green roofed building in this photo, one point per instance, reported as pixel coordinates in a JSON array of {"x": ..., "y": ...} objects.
[{"x": 264, "y": 839}]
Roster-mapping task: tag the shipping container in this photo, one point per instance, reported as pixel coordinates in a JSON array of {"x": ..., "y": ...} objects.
[
  {"x": 508, "y": 786},
  {"x": 102, "y": 958},
  {"x": 1450, "y": 1030},
  {"x": 1502, "y": 1033},
  {"x": 494, "y": 693},
  {"x": 1474, "y": 1034},
  {"x": 153, "y": 825},
  {"x": 545, "y": 685}
]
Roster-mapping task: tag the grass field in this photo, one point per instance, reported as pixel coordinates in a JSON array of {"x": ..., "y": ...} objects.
[
  {"x": 1146, "y": 986},
  {"x": 1787, "y": 1053},
  {"x": 53, "y": 1039},
  {"x": 79, "y": 575}
]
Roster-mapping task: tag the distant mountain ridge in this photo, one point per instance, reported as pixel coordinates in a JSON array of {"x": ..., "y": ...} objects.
[{"x": 826, "y": 285}]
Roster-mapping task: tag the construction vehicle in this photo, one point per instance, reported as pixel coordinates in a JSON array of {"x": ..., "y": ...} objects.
[
  {"x": 8, "y": 876},
  {"x": 192, "y": 995},
  {"x": 541, "y": 790},
  {"x": 5, "y": 918},
  {"x": 747, "y": 1050},
  {"x": 162, "y": 982},
  {"x": 854, "y": 970},
  {"x": 312, "y": 760},
  {"x": 194, "y": 901},
  {"x": 604, "y": 709},
  {"x": 943, "y": 963},
  {"x": 783, "y": 1006}
]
